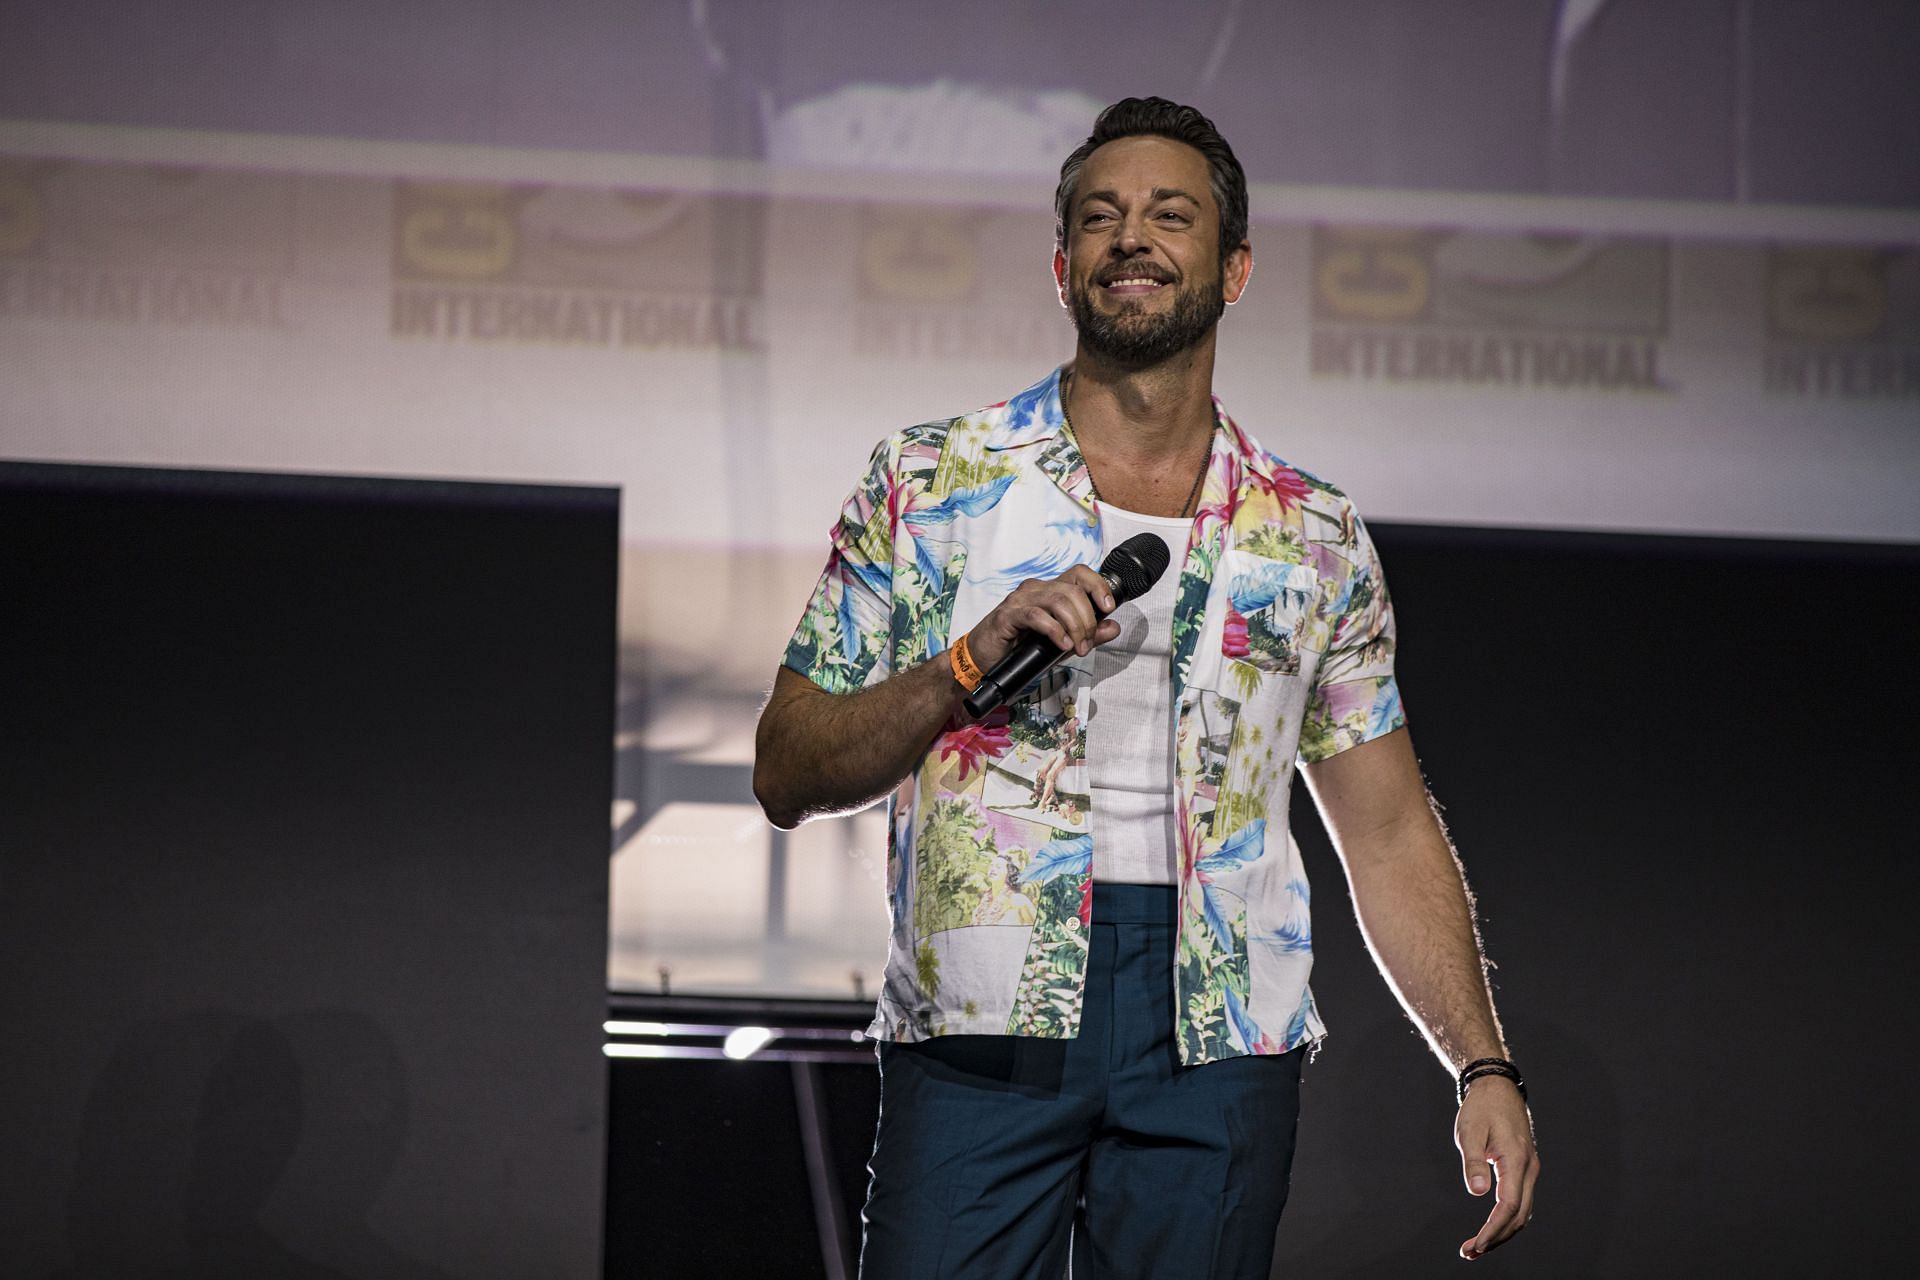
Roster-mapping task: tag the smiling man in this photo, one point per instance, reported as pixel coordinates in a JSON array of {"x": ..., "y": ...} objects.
[{"x": 1096, "y": 1004}]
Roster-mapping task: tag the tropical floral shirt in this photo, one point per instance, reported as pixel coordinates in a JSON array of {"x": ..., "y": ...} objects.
[{"x": 1282, "y": 651}]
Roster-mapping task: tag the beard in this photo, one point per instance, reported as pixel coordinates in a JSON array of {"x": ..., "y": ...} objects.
[{"x": 1134, "y": 339}]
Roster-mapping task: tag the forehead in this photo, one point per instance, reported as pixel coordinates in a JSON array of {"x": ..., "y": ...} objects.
[{"x": 1134, "y": 167}]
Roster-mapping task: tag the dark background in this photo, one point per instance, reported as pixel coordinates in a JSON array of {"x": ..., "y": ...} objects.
[
  {"x": 1676, "y": 770},
  {"x": 304, "y": 787}
]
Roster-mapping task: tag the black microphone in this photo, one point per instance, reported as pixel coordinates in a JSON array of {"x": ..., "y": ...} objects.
[{"x": 1130, "y": 569}]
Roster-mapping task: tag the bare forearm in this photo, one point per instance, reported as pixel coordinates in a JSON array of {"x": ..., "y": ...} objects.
[
  {"x": 1409, "y": 892},
  {"x": 1417, "y": 917},
  {"x": 817, "y": 752}
]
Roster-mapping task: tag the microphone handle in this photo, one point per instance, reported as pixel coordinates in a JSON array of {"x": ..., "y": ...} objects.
[{"x": 1030, "y": 655}]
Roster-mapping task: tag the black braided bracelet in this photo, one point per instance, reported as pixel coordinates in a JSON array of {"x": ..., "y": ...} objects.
[{"x": 1489, "y": 1067}]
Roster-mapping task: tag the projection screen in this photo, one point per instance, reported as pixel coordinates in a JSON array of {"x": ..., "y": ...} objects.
[{"x": 1577, "y": 265}]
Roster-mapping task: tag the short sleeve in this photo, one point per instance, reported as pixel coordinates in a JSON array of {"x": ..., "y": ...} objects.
[
  {"x": 842, "y": 642},
  {"x": 1354, "y": 698}
]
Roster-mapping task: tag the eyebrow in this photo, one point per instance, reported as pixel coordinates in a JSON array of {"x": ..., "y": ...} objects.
[{"x": 1159, "y": 194}]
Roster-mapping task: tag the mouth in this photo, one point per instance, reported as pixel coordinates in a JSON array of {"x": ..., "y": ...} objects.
[{"x": 1134, "y": 283}]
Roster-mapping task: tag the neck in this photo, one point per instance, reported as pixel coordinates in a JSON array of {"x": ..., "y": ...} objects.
[
  {"x": 1145, "y": 433},
  {"x": 1145, "y": 417}
]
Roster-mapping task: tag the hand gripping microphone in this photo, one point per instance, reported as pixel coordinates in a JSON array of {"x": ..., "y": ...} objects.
[{"x": 1130, "y": 569}]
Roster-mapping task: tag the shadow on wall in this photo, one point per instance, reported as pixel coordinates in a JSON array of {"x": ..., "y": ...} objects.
[{"x": 217, "y": 1144}]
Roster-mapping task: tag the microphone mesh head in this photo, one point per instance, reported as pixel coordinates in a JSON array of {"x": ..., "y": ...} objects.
[{"x": 1135, "y": 565}]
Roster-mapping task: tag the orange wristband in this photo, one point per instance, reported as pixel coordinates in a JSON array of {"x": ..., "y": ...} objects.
[{"x": 965, "y": 670}]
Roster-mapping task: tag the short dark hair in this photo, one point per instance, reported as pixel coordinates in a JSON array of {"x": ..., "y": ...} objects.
[{"x": 1157, "y": 117}]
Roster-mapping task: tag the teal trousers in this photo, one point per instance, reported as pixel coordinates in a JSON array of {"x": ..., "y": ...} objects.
[{"x": 998, "y": 1157}]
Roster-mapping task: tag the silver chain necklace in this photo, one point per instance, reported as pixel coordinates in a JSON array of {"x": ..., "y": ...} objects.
[{"x": 1192, "y": 493}]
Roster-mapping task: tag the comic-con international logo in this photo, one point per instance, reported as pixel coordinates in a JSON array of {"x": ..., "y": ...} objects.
[
  {"x": 937, "y": 284},
  {"x": 579, "y": 266},
  {"x": 1437, "y": 305},
  {"x": 161, "y": 245},
  {"x": 1843, "y": 321}
]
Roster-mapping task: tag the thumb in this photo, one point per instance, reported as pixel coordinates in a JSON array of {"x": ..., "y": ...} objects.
[{"x": 1473, "y": 1163}]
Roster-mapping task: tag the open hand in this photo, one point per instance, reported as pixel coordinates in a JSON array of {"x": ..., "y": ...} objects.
[{"x": 1494, "y": 1131}]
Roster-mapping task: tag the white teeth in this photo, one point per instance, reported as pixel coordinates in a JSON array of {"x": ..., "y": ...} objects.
[{"x": 1121, "y": 284}]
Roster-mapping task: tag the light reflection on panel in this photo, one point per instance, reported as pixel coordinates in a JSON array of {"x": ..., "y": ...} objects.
[{"x": 703, "y": 901}]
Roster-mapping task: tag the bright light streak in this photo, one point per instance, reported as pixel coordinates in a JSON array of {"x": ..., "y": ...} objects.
[
  {"x": 744, "y": 1042},
  {"x": 635, "y": 1028}
]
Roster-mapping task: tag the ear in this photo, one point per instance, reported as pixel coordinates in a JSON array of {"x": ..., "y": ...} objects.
[
  {"x": 1060, "y": 274},
  {"x": 1236, "y": 271}
]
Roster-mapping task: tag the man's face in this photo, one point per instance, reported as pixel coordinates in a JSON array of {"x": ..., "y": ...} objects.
[{"x": 1142, "y": 274}]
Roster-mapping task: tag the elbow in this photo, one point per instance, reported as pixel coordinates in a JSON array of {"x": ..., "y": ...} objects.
[
  {"x": 766, "y": 792},
  {"x": 773, "y": 798}
]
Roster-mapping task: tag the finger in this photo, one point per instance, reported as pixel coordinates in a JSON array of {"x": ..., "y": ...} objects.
[
  {"x": 1042, "y": 620},
  {"x": 1000, "y": 630},
  {"x": 1491, "y": 1233},
  {"x": 1066, "y": 610},
  {"x": 1505, "y": 1218},
  {"x": 1098, "y": 589},
  {"x": 1473, "y": 1167},
  {"x": 1472, "y": 1138},
  {"x": 1024, "y": 610},
  {"x": 1107, "y": 630},
  {"x": 1076, "y": 613},
  {"x": 1529, "y": 1175},
  {"x": 1517, "y": 1176}
]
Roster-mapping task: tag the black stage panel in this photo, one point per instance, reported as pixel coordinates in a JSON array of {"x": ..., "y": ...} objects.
[
  {"x": 304, "y": 818},
  {"x": 1674, "y": 768}
]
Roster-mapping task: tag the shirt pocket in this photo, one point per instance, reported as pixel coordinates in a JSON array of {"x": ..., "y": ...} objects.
[{"x": 1265, "y": 612}]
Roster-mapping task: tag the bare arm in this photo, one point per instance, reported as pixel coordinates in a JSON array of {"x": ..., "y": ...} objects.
[
  {"x": 1417, "y": 917},
  {"x": 817, "y": 752}
]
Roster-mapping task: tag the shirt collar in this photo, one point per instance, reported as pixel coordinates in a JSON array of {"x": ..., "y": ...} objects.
[{"x": 1034, "y": 417}]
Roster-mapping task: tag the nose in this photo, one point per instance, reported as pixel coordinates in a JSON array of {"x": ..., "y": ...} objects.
[{"x": 1130, "y": 239}]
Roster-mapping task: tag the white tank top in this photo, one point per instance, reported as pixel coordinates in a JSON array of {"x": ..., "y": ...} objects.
[{"x": 1129, "y": 718}]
